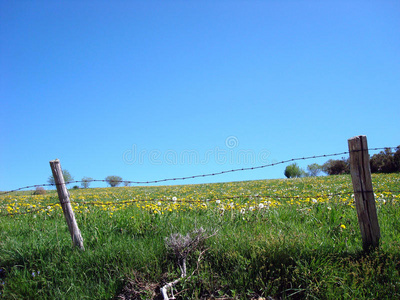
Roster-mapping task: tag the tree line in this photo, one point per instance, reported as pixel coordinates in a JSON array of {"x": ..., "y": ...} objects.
[
  {"x": 385, "y": 161},
  {"x": 85, "y": 181}
]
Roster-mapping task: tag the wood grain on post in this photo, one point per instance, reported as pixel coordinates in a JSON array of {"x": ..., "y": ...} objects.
[
  {"x": 363, "y": 192},
  {"x": 63, "y": 195}
]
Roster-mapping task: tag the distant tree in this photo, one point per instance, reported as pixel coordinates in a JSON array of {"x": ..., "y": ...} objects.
[
  {"x": 336, "y": 167},
  {"x": 397, "y": 159},
  {"x": 294, "y": 170},
  {"x": 385, "y": 161},
  {"x": 67, "y": 177},
  {"x": 86, "y": 182},
  {"x": 127, "y": 183},
  {"x": 314, "y": 169},
  {"x": 113, "y": 180}
]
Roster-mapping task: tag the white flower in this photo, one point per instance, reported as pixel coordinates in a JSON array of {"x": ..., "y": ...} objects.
[
  {"x": 159, "y": 203},
  {"x": 218, "y": 201},
  {"x": 231, "y": 204},
  {"x": 314, "y": 200},
  {"x": 251, "y": 208},
  {"x": 329, "y": 208},
  {"x": 174, "y": 199},
  {"x": 243, "y": 211},
  {"x": 260, "y": 206}
]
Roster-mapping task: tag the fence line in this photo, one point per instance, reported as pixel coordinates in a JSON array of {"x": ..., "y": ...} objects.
[
  {"x": 198, "y": 176},
  {"x": 109, "y": 203}
]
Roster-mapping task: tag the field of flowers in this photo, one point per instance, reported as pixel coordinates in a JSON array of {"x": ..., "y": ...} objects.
[
  {"x": 286, "y": 238},
  {"x": 242, "y": 197}
]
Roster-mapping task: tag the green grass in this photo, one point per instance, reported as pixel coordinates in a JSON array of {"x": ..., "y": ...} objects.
[{"x": 295, "y": 249}]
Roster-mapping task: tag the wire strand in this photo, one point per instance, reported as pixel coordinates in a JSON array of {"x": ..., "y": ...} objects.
[{"x": 200, "y": 175}]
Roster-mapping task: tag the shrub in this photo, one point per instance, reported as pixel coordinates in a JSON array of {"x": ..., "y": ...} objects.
[
  {"x": 397, "y": 159},
  {"x": 113, "y": 180},
  {"x": 293, "y": 170},
  {"x": 86, "y": 182},
  {"x": 336, "y": 167},
  {"x": 67, "y": 177},
  {"x": 39, "y": 191},
  {"x": 386, "y": 161},
  {"x": 314, "y": 169}
]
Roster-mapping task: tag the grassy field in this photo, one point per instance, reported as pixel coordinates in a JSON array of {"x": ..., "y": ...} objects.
[{"x": 275, "y": 239}]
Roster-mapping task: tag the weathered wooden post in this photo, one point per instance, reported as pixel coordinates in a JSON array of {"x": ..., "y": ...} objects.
[
  {"x": 63, "y": 195},
  {"x": 363, "y": 192}
]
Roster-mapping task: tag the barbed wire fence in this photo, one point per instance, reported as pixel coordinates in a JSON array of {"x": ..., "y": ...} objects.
[
  {"x": 256, "y": 196},
  {"x": 197, "y": 176}
]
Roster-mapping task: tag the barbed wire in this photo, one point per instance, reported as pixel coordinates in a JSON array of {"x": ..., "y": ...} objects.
[
  {"x": 256, "y": 196},
  {"x": 200, "y": 175}
]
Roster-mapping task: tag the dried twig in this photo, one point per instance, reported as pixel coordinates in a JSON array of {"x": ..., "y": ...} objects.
[{"x": 182, "y": 246}]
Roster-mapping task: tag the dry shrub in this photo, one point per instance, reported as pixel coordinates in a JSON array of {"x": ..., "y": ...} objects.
[{"x": 39, "y": 191}]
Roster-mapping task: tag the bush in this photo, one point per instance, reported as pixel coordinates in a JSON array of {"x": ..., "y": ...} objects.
[
  {"x": 67, "y": 177},
  {"x": 314, "y": 169},
  {"x": 113, "y": 180},
  {"x": 397, "y": 158},
  {"x": 294, "y": 170},
  {"x": 39, "y": 191},
  {"x": 86, "y": 182},
  {"x": 386, "y": 161},
  {"x": 336, "y": 167}
]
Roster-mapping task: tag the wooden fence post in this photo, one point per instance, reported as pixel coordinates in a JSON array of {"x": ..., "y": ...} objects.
[
  {"x": 63, "y": 195},
  {"x": 363, "y": 192}
]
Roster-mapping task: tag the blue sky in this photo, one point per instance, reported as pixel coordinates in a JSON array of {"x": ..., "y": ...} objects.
[{"x": 156, "y": 89}]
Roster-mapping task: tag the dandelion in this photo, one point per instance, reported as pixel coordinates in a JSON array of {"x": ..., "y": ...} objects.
[
  {"x": 251, "y": 208},
  {"x": 243, "y": 211},
  {"x": 260, "y": 206},
  {"x": 174, "y": 199},
  {"x": 218, "y": 201},
  {"x": 382, "y": 200},
  {"x": 329, "y": 208},
  {"x": 343, "y": 226},
  {"x": 314, "y": 200},
  {"x": 159, "y": 203}
]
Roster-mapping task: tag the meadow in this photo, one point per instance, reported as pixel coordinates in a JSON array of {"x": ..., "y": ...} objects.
[{"x": 269, "y": 239}]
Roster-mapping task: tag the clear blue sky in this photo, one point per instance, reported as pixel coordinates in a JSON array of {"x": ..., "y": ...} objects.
[{"x": 155, "y": 89}]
